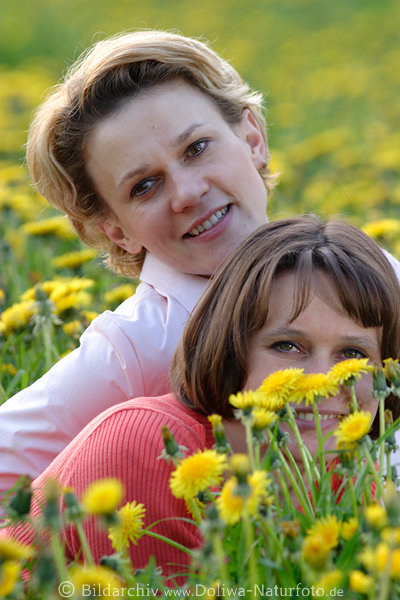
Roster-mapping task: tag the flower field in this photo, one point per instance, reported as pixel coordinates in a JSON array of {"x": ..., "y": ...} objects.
[
  {"x": 331, "y": 79},
  {"x": 331, "y": 82}
]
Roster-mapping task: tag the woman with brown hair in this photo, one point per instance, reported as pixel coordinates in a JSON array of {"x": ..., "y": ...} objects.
[{"x": 297, "y": 292}]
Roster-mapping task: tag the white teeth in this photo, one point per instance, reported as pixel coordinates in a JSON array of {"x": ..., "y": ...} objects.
[
  {"x": 310, "y": 416},
  {"x": 208, "y": 223}
]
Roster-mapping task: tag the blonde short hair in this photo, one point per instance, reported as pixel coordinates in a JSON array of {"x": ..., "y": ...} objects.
[{"x": 94, "y": 87}]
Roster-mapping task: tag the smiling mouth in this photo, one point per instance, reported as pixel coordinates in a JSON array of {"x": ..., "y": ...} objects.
[
  {"x": 323, "y": 417},
  {"x": 209, "y": 223}
]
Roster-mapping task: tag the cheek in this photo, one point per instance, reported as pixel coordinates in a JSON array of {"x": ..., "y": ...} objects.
[{"x": 365, "y": 399}]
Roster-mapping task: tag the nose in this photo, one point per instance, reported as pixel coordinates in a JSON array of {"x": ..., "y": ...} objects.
[
  {"x": 318, "y": 364},
  {"x": 186, "y": 189}
]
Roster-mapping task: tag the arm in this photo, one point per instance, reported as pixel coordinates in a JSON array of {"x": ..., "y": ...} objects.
[{"x": 121, "y": 356}]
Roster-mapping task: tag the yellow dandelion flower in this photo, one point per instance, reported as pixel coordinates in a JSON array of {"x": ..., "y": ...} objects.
[
  {"x": 102, "y": 580},
  {"x": 240, "y": 464},
  {"x": 278, "y": 386},
  {"x": 367, "y": 558},
  {"x": 383, "y": 228},
  {"x": 375, "y": 515},
  {"x": 314, "y": 550},
  {"x": 232, "y": 504},
  {"x": 120, "y": 293},
  {"x": 196, "y": 473},
  {"x": 9, "y": 369},
  {"x": 72, "y": 260},
  {"x": 2, "y": 296},
  {"x": 9, "y": 572},
  {"x": 246, "y": 400},
  {"x": 263, "y": 418},
  {"x": 16, "y": 316},
  {"x": 346, "y": 372},
  {"x": 391, "y": 535},
  {"x": 392, "y": 371},
  {"x": 360, "y": 582},
  {"x": 388, "y": 559},
  {"x": 103, "y": 497},
  {"x": 89, "y": 315},
  {"x": 59, "y": 226},
  {"x": 12, "y": 550},
  {"x": 129, "y": 528},
  {"x": 328, "y": 581},
  {"x": 73, "y": 328},
  {"x": 215, "y": 420},
  {"x": 328, "y": 528},
  {"x": 348, "y": 528},
  {"x": 311, "y": 386},
  {"x": 352, "y": 429}
]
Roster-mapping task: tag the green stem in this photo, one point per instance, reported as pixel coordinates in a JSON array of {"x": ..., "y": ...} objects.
[
  {"x": 374, "y": 473},
  {"x": 83, "y": 539},
  {"x": 58, "y": 556},
  {"x": 221, "y": 559},
  {"x": 353, "y": 497},
  {"x": 300, "y": 493},
  {"x": 163, "y": 538},
  {"x": 249, "y": 442},
  {"x": 305, "y": 454},
  {"x": 354, "y": 402},
  {"x": 319, "y": 436},
  {"x": 381, "y": 434},
  {"x": 252, "y": 561}
]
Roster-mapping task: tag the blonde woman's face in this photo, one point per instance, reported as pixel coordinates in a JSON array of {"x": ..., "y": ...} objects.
[
  {"x": 178, "y": 179},
  {"x": 322, "y": 335}
]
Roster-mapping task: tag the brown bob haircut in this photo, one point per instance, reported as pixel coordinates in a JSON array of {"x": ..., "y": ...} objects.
[
  {"x": 211, "y": 360},
  {"x": 96, "y": 85}
]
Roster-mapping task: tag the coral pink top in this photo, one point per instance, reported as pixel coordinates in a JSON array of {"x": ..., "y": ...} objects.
[{"x": 125, "y": 442}]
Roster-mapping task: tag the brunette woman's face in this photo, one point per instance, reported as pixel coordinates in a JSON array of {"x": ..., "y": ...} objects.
[
  {"x": 322, "y": 335},
  {"x": 179, "y": 180}
]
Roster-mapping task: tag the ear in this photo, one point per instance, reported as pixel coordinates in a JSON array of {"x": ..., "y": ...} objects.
[
  {"x": 252, "y": 135},
  {"x": 114, "y": 232}
]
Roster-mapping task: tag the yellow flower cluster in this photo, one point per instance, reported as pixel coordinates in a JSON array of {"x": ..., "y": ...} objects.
[
  {"x": 196, "y": 473},
  {"x": 72, "y": 260},
  {"x": 129, "y": 527},
  {"x": 234, "y": 502},
  {"x": 352, "y": 429},
  {"x": 102, "y": 497},
  {"x": 58, "y": 226}
]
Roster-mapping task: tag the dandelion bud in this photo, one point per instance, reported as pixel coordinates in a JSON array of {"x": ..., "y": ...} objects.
[
  {"x": 392, "y": 372},
  {"x": 240, "y": 465},
  {"x": 375, "y": 515},
  {"x": 380, "y": 388},
  {"x": 291, "y": 528},
  {"x": 73, "y": 509},
  {"x": 20, "y": 504},
  {"x": 221, "y": 443},
  {"x": 51, "y": 513},
  {"x": 171, "y": 447}
]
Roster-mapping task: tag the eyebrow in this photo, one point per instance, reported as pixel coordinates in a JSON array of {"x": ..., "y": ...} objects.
[{"x": 140, "y": 170}]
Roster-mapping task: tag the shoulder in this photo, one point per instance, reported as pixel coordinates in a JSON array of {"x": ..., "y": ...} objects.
[{"x": 129, "y": 432}]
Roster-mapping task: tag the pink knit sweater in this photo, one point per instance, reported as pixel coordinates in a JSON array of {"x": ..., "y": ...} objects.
[{"x": 125, "y": 442}]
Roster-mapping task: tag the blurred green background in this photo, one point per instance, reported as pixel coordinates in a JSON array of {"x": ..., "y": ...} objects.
[{"x": 330, "y": 74}]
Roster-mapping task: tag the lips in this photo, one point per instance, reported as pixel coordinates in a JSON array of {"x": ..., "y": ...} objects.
[{"x": 208, "y": 223}]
